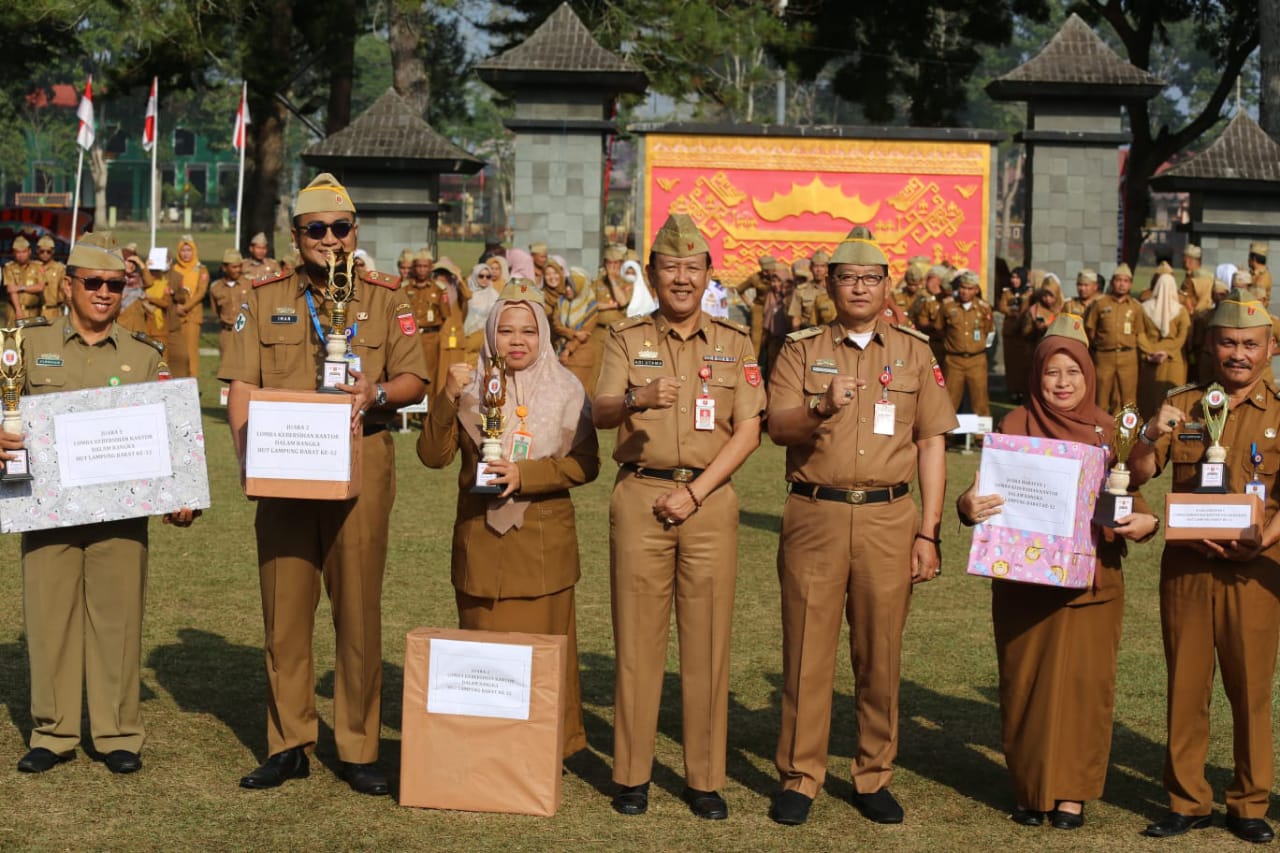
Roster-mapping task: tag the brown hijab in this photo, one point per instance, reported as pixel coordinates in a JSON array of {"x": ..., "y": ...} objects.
[{"x": 1086, "y": 424}]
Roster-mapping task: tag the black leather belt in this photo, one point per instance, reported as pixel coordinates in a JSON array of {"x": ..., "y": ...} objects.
[
  {"x": 1114, "y": 349},
  {"x": 675, "y": 475},
  {"x": 850, "y": 496},
  {"x": 422, "y": 330},
  {"x": 966, "y": 354},
  {"x": 374, "y": 429}
]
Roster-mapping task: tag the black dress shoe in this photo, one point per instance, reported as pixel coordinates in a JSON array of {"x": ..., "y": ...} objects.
[
  {"x": 278, "y": 769},
  {"x": 365, "y": 779},
  {"x": 122, "y": 761},
  {"x": 879, "y": 806},
  {"x": 632, "y": 799},
  {"x": 1252, "y": 829},
  {"x": 1059, "y": 819},
  {"x": 790, "y": 808},
  {"x": 1176, "y": 824},
  {"x": 40, "y": 759},
  {"x": 707, "y": 805},
  {"x": 1027, "y": 817}
]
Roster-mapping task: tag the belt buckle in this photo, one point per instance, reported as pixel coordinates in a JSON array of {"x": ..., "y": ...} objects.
[
  {"x": 856, "y": 496},
  {"x": 682, "y": 475}
]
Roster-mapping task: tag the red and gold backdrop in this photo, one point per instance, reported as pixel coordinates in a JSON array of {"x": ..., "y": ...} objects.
[{"x": 790, "y": 196}]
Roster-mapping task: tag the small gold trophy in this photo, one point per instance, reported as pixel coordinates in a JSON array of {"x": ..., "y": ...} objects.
[
  {"x": 491, "y": 425},
  {"x": 338, "y": 356},
  {"x": 1115, "y": 502},
  {"x": 12, "y": 374},
  {"x": 1213, "y": 470}
]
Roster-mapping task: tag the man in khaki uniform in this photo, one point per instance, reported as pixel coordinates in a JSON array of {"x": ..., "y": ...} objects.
[
  {"x": 52, "y": 273},
  {"x": 538, "y": 253},
  {"x": 1086, "y": 293},
  {"x": 965, "y": 321},
  {"x": 927, "y": 307},
  {"x": 258, "y": 264},
  {"x": 1112, "y": 324},
  {"x": 1258, "y": 269},
  {"x": 819, "y": 265},
  {"x": 755, "y": 289},
  {"x": 860, "y": 407},
  {"x": 904, "y": 294},
  {"x": 1197, "y": 284},
  {"x": 228, "y": 294},
  {"x": 430, "y": 307},
  {"x": 24, "y": 282},
  {"x": 83, "y": 586},
  {"x": 342, "y": 544},
  {"x": 1220, "y": 602},
  {"x": 802, "y": 309},
  {"x": 686, "y": 394}
]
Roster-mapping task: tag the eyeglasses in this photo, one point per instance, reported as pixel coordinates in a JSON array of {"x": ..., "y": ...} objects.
[
  {"x": 316, "y": 230},
  {"x": 93, "y": 285},
  {"x": 43, "y": 250},
  {"x": 849, "y": 279},
  {"x": 484, "y": 275}
]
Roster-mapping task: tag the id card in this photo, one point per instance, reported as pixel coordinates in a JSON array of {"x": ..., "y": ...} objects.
[
  {"x": 1254, "y": 487},
  {"x": 1128, "y": 327},
  {"x": 520, "y": 441},
  {"x": 977, "y": 334},
  {"x": 704, "y": 413},
  {"x": 431, "y": 315},
  {"x": 884, "y": 417},
  {"x": 354, "y": 363}
]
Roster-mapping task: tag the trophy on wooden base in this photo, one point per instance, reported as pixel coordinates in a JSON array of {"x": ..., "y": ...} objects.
[
  {"x": 1213, "y": 470},
  {"x": 1115, "y": 502},
  {"x": 338, "y": 357},
  {"x": 492, "y": 423},
  {"x": 12, "y": 374}
]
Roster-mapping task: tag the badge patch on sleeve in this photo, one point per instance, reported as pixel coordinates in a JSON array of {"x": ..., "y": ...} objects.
[
  {"x": 407, "y": 324},
  {"x": 751, "y": 372},
  {"x": 937, "y": 373},
  {"x": 240, "y": 321}
]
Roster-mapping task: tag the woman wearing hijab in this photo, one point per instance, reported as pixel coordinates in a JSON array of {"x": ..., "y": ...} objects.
[
  {"x": 501, "y": 272},
  {"x": 1056, "y": 647},
  {"x": 515, "y": 556},
  {"x": 520, "y": 264},
  {"x": 142, "y": 307},
  {"x": 1161, "y": 340},
  {"x": 574, "y": 321},
  {"x": 187, "y": 273},
  {"x": 1039, "y": 316},
  {"x": 483, "y": 295},
  {"x": 1014, "y": 299}
]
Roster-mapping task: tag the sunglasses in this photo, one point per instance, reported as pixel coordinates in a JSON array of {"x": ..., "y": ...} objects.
[
  {"x": 316, "y": 230},
  {"x": 484, "y": 275},
  {"x": 115, "y": 285}
]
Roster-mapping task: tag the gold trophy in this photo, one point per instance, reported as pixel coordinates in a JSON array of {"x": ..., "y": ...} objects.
[
  {"x": 491, "y": 425},
  {"x": 1115, "y": 502},
  {"x": 12, "y": 374},
  {"x": 338, "y": 356},
  {"x": 1213, "y": 470}
]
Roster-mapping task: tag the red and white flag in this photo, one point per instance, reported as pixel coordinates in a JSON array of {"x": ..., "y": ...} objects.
[
  {"x": 84, "y": 112},
  {"x": 242, "y": 120},
  {"x": 149, "y": 123}
]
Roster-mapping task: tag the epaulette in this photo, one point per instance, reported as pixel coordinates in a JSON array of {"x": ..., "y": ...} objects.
[
  {"x": 805, "y": 334},
  {"x": 915, "y": 333},
  {"x": 733, "y": 324},
  {"x": 270, "y": 277},
  {"x": 151, "y": 342},
  {"x": 1173, "y": 392},
  {"x": 623, "y": 325},
  {"x": 32, "y": 322},
  {"x": 382, "y": 279}
]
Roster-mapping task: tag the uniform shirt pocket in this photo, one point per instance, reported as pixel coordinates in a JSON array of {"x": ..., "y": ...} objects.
[
  {"x": 282, "y": 347},
  {"x": 637, "y": 379},
  {"x": 904, "y": 392}
]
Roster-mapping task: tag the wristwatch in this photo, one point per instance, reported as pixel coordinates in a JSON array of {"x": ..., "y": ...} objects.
[
  {"x": 379, "y": 396},
  {"x": 629, "y": 400},
  {"x": 1143, "y": 437}
]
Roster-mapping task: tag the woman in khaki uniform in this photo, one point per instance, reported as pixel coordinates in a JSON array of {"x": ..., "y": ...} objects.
[
  {"x": 1161, "y": 341},
  {"x": 451, "y": 343},
  {"x": 515, "y": 556},
  {"x": 1014, "y": 299},
  {"x": 575, "y": 320},
  {"x": 1057, "y": 647},
  {"x": 189, "y": 274},
  {"x": 1045, "y": 306}
]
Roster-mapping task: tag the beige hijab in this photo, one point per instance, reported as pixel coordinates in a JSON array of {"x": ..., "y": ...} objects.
[
  {"x": 1163, "y": 306},
  {"x": 559, "y": 412}
]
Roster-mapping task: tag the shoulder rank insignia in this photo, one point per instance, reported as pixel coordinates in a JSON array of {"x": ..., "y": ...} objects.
[
  {"x": 382, "y": 279},
  {"x": 267, "y": 278},
  {"x": 32, "y": 322},
  {"x": 629, "y": 322},
  {"x": 804, "y": 334},
  {"x": 732, "y": 324},
  {"x": 151, "y": 342},
  {"x": 915, "y": 333},
  {"x": 1173, "y": 392}
]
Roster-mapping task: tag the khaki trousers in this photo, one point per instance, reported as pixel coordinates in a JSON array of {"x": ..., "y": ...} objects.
[
  {"x": 967, "y": 372},
  {"x": 82, "y": 596},
  {"x": 835, "y": 559},
  {"x": 1117, "y": 379},
  {"x": 546, "y": 614},
  {"x": 343, "y": 544},
  {"x": 1232, "y": 608},
  {"x": 696, "y": 565},
  {"x": 191, "y": 339}
]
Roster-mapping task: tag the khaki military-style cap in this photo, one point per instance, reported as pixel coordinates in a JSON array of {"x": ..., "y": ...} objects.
[
  {"x": 259, "y": 239},
  {"x": 45, "y": 242},
  {"x": 1240, "y": 310},
  {"x": 424, "y": 255},
  {"x": 861, "y": 252},
  {"x": 939, "y": 272},
  {"x": 917, "y": 271},
  {"x": 130, "y": 247},
  {"x": 966, "y": 278},
  {"x": 538, "y": 248},
  {"x": 231, "y": 256},
  {"x": 1193, "y": 251},
  {"x": 1123, "y": 270},
  {"x": 406, "y": 257},
  {"x": 768, "y": 263},
  {"x": 860, "y": 232},
  {"x": 448, "y": 266},
  {"x": 1220, "y": 286},
  {"x": 1068, "y": 326},
  {"x": 821, "y": 257},
  {"x": 20, "y": 242},
  {"x": 679, "y": 237},
  {"x": 323, "y": 195},
  {"x": 1087, "y": 274},
  {"x": 1164, "y": 268},
  {"x": 1242, "y": 279},
  {"x": 98, "y": 251},
  {"x": 1257, "y": 247},
  {"x": 522, "y": 290},
  {"x": 615, "y": 252},
  {"x": 802, "y": 269}
]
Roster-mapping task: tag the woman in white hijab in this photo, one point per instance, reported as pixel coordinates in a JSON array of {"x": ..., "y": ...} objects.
[
  {"x": 1165, "y": 325},
  {"x": 515, "y": 554},
  {"x": 484, "y": 293}
]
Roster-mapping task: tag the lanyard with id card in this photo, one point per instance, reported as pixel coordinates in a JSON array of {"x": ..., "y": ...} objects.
[
  {"x": 521, "y": 438},
  {"x": 1256, "y": 486},
  {"x": 704, "y": 407},
  {"x": 885, "y": 412}
]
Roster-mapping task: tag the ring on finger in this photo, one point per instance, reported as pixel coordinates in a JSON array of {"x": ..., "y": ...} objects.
[{"x": 848, "y": 395}]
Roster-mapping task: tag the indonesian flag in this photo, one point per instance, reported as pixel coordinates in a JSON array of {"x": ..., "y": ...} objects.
[
  {"x": 84, "y": 112},
  {"x": 242, "y": 120},
  {"x": 149, "y": 123}
]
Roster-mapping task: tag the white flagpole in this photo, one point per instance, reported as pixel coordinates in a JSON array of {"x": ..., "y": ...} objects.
[
  {"x": 155, "y": 147},
  {"x": 244, "y": 143},
  {"x": 75, "y": 205}
]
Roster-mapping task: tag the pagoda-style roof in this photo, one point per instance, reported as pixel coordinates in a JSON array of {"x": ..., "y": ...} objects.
[
  {"x": 390, "y": 135},
  {"x": 1243, "y": 155},
  {"x": 562, "y": 51},
  {"x": 1075, "y": 63}
]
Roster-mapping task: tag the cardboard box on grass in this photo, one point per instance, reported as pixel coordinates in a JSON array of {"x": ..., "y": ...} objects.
[
  {"x": 483, "y": 763},
  {"x": 296, "y": 468}
]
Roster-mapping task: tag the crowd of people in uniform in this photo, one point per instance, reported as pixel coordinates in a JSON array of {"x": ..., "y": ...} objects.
[{"x": 857, "y": 376}]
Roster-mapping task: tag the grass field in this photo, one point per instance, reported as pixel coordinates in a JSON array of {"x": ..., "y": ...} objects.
[{"x": 203, "y": 686}]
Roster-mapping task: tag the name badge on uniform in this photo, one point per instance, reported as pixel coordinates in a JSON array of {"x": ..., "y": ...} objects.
[
  {"x": 49, "y": 360},
  {"x": 726, "y": 359},
  {"x": 704, "y": 413},
  {"x": 1128, "y": 323},
  {"x": 284, "y": 318},
  {"x": 977, "y": 334},
  {"x": 824, "y": 365},
  {"x": 883, "y": 422}
]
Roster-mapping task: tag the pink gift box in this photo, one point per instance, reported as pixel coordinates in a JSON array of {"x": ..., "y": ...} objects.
[{"x": 1031, "y": 556}]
